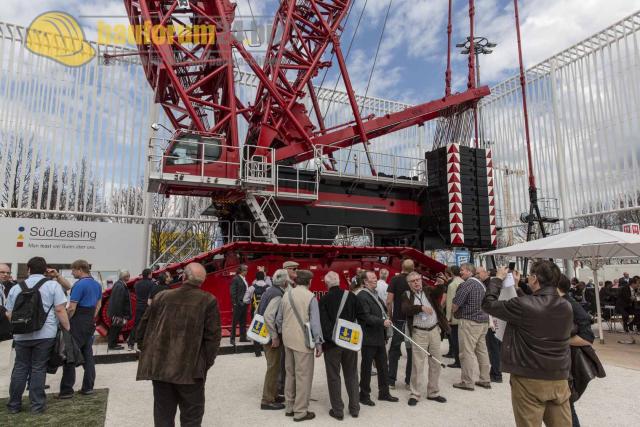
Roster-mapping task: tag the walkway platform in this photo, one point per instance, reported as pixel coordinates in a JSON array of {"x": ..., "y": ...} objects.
[{"x": 104, "y": 355}]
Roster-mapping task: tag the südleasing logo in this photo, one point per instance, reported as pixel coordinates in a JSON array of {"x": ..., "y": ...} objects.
[
  {"x": 20, "y": 238},
  {"x": 58, "y": 36}
]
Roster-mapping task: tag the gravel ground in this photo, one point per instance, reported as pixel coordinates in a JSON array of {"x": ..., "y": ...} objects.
[{"x": 234, "y": 388}]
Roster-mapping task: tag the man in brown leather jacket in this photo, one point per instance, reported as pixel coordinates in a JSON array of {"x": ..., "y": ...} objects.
[
  {"x": 425, "y": 323},
  {"x": 179, "y": 336},
  {"x": 535, "y": 347}
]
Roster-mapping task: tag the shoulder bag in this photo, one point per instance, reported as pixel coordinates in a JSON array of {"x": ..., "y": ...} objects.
[
  {"x": 346, "y": 334},
  {"x": 306, "y": 327}
]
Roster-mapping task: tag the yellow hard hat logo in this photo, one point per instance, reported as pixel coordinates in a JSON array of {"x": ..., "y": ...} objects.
[{"x": 57, "y": 35}]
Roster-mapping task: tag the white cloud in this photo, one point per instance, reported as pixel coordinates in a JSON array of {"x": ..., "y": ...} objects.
[{"x": 547, "y": 27}]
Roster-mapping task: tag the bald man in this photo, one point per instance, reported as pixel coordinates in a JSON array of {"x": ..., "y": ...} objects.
[{"x": 178, "y": 322}]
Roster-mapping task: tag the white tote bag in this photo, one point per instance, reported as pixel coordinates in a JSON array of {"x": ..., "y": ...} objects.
[
  {"x": 347, "y": 334},
  {"x": 258, "y": 330}
]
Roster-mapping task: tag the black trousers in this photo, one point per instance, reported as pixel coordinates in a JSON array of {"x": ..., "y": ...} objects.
[
  {"x": 112, "y": 337},
  {"x": 82, "y": 330},
  {"x": 257, "y": 347},
  {"x": 371, "y": 354},
  {"x": 625, "y": 313},
  {"x": 239, "y": 318},
  {"x": 132, "y": 335},
  {"x": 167, "y": 397},
  {"x": 636, "y": 319},
  {"x": 395, "y": 353},
  {"x": 334, "y": 358},
  {"x": 494, "y": 345},
  {"x": 454, "y": 344}
]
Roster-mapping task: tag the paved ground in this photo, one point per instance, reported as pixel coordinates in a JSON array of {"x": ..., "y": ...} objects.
[{"x": 235, "y": 384}]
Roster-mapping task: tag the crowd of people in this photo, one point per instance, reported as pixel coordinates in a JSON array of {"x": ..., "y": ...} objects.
[
  {"x": 544, "y": 346},
  {"x": 35, "y": 311},
  {"x": 546, "y": 332}
]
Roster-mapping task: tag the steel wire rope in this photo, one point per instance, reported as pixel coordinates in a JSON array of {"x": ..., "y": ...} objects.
[
  {"x": 373, "y": 69},
  {"x": 346, "y": 58},
  {"x": 333, "y": 53}
]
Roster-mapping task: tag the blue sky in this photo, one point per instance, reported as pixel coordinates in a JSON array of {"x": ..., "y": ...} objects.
[{"x": 411, "y": 63}]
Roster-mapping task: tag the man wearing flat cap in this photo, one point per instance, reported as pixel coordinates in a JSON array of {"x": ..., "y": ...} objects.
[{"x": 292, "y": 269}]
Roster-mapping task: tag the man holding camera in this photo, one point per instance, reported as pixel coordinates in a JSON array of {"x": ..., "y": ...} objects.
[{"x": 535, "y": 346}]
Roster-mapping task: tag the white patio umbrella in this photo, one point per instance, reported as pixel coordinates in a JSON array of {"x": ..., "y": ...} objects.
[{"x": 591, "y": 245}]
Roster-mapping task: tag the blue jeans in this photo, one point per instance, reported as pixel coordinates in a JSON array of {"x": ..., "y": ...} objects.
[{"x": 31, "y": 362}]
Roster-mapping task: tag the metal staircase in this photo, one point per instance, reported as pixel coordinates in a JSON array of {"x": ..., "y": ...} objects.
[{"x": 266, "y": 214}]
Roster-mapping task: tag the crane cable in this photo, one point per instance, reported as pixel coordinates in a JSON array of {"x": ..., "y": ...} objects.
[
  {"x": 333, "y": 53},
  {"x": 375, "y": 59},
  {"x": 335, "y": 87},
  {"x": 373, "y": 69}
]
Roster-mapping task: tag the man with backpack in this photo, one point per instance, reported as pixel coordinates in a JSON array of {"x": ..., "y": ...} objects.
[
  {"x": 252, "y": 297},
  {"x": 35, "y": 307}
]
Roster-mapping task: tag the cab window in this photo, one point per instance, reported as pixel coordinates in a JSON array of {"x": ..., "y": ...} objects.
[{"x": 183, "y": 153}]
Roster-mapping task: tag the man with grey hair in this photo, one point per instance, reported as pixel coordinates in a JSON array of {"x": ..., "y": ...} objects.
[
  {"x": 176, "y": 355},
  {"x": 268, "y": 308},
  {"x": 119, "y": 309},
  {"x": 382, "y": 286},
  {"x": 472, "y": 330},
  {"x": 334, "y": 356},
  {"x": 298, "y": 308}
]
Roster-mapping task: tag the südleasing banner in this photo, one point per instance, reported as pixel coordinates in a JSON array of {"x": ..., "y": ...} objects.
[{"x": 106, "y": 246}]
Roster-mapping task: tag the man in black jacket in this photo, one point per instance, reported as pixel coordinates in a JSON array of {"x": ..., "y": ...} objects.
[
  {"x": 372, "y": 316},
  {"x": 582, "y": 338},
  {"x": 119, "y": 310},
  {"x": 535, "y": 347},
  {"x": 335, "y": 356},
  {"x": 238, "y": 288},
  {"x": 625, "y": 303},
  {"x": 143, "y": 288}
]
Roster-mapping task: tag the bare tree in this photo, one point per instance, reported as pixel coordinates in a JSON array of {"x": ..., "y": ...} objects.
[{"x": 14, "y": 190}]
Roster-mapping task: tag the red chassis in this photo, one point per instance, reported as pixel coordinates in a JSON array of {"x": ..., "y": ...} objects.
[{"x": 221, "y": 266}]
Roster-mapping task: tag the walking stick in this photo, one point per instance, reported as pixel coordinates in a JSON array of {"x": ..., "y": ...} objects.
[{"x": 416, "y": 344}]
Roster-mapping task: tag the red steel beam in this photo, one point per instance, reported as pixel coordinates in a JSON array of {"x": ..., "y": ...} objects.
[{"x": 347, "y": 136}]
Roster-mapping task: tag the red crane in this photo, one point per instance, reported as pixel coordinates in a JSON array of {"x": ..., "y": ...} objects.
[{"x": 195, "y": 83}]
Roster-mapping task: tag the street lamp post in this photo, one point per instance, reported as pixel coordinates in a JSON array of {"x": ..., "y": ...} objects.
[{"x": 481, "y": 46}]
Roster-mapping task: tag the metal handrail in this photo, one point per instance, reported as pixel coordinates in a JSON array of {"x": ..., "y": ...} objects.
[
  {"x": 395, "y": 168},
  {"x": 314, "y": 183},
  {"x": 339, "y": 231},
  {"x": 275, "y": 227},
  {"x": 234, "y": 236}
]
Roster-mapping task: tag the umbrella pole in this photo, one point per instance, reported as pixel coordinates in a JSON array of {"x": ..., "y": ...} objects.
[{"x": 598, "y": 309}]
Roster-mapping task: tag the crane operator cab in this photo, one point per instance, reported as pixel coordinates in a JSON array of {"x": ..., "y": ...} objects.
[{"x": 193, "y": 154}]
